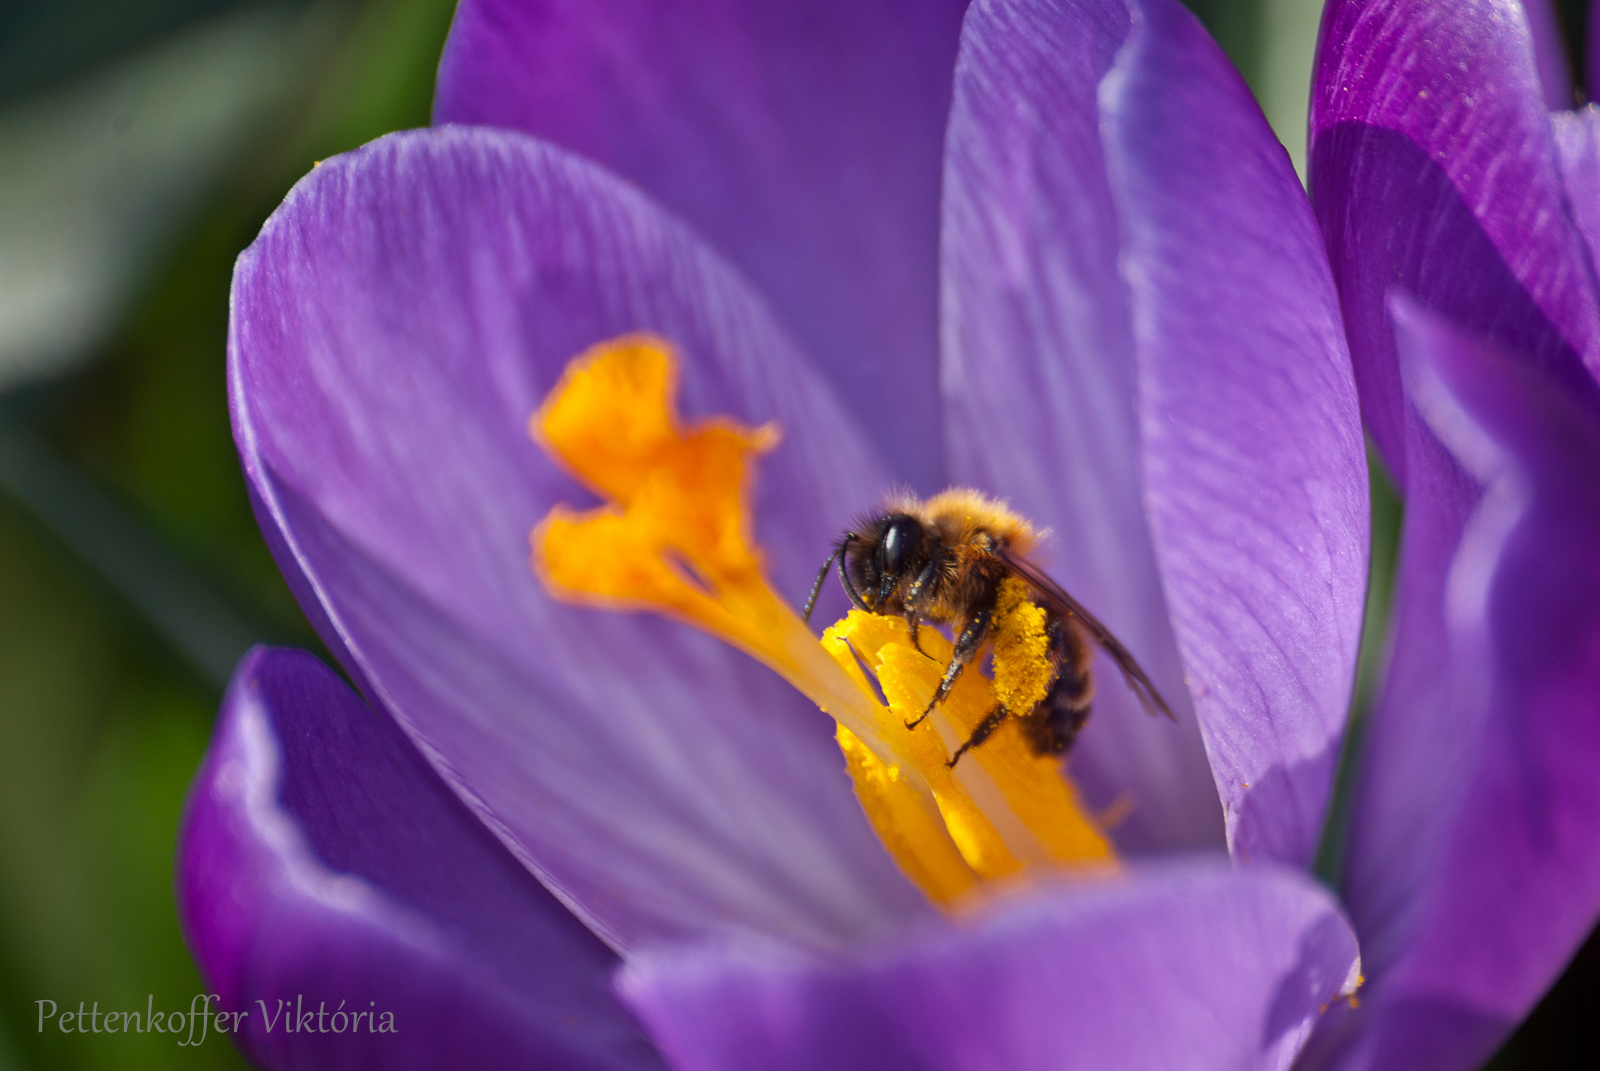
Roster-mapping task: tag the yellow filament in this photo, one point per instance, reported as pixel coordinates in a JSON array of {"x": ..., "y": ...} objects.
[
  {"x": 674, "y": 536},
  {"x": 909, "y": 823}
]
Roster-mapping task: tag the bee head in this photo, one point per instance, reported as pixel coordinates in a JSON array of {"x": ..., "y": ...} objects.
[
  {"x": 879, "y": 553},
  {"x": 894, "y": 556}
]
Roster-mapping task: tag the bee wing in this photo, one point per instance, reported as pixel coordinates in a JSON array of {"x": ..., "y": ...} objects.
[{"x": 1048, "y": 590}]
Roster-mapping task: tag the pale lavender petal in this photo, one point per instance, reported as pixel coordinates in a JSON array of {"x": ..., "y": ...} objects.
[
  {"x": 322, "y": 865},
  {"x": 1039, "y": 377},
  {"x": 393, "y": 328},
  {"x": 1193, "y": 965},
  {"x": 1161, "y": 340},
  {"x": 1472, "y": 873},
  {"x": 801, "y": 137},
  {"x": 1549, "y": 53},
  {"x": 1255, "y": 474},
  {"x": 1432, "y": 168},
  {"x": 1577, "y": 137}
]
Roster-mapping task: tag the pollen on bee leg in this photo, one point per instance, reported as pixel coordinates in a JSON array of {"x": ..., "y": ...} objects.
[{"x": 1022, "y": 670}]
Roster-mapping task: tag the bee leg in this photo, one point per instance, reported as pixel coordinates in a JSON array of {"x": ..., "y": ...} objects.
[
  {"x": 915, "y": 595},
  {"x": 822, "y": 575},
  {"x": 966, "y": 649},
  {"x": 984, "y": 730}
]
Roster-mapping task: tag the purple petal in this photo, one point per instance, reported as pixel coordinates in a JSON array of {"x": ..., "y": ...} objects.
[
  {"x": 1591, "y": 51},
  {"x": 1195, "y": 965},
  {"x": 1473, "y": 873},
  {"x": 801, "y": 137},
  {"x": 323, "y": 864},
  {"x": 1393, "y": 810},
  {"x": 1039, "y": 378},
  {"x": 1577, "y": 137},
  {"x": 394, "y": 326},
  {"x": 1255, "y": 474},
  {"x": 1432, "y": 169},
  {"x": 1145, "y": 354},
  {"x": 1549, "y": 53}
]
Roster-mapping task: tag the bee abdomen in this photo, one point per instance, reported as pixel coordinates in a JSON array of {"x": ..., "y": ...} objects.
[{"x": 1055, "y": 725}]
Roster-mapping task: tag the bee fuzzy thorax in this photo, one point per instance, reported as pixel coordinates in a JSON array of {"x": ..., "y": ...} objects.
[{"x": 961, "y": 513}]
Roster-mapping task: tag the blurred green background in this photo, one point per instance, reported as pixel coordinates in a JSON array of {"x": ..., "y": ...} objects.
[{"x": 142, "y": 144}]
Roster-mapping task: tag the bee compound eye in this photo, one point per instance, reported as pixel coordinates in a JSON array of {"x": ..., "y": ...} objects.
[{"x": 897, "y": 545}]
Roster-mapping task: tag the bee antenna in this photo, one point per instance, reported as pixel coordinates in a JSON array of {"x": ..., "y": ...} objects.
[{"x": 822, "y": 575}]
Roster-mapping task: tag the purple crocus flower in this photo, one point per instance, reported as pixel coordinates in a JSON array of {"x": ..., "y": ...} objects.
[
  {"x": 1065, "y": 262},
  {"x": 1438, "y": 172}
]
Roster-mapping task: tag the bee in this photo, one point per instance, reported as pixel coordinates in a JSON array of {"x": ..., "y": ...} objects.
[{"x": 943, "y": 561}]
